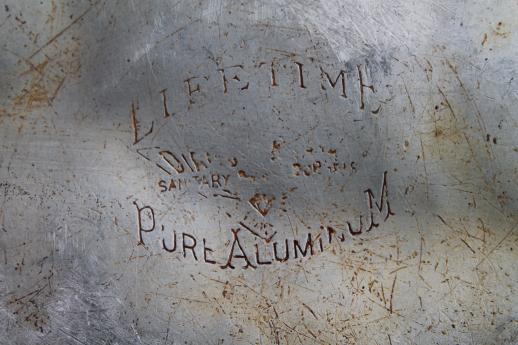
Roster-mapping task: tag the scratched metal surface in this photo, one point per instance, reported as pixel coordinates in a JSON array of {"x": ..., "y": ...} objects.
[{"x": 375, "y": 140}]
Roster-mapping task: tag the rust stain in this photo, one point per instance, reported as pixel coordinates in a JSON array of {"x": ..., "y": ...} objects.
[
  {"x": 496, "y": 36},
  {"x": 262, "y": 203},
  {"x": 44, "y": 77}
]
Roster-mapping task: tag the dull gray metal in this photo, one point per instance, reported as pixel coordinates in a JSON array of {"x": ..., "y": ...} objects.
[{"x": 276, "y": 172}]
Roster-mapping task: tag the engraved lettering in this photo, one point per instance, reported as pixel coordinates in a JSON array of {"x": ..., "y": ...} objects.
[
  {"x": 287, "y": 252},
  {"x": 197, "y": 163},
  {"x": 237, "y": 256},
  {"x": 164, "y": 98},
  {"x": 235, "y": 78},
  {"x": 191, "y": 246},
  {"x": 341, "y": 76},
  {"x": 167, "y": 155},
  {"x": 164, "y": 246},
  {"x": 362, "y": 86},
  {"x": 258, "y": 259},
  {"x": 357, "y": 231},
  {"x": 162, "y": 185},
  {"x": 136, "y": 125},
  {"x": 205, "y": 251},
  {"x": 301, "y": 74},
  {"x": 190, "y": 89},
  {"x": 297, "y": 248},
  {"x": 139, "y": 218}
]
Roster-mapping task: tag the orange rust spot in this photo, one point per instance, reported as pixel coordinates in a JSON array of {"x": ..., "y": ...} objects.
[{"x": 262, "y": 203}]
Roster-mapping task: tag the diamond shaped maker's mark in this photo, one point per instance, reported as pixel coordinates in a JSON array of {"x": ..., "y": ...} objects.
[{"x": 262, "y": 203}]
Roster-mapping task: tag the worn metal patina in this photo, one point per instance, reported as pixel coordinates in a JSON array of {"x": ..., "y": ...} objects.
[{"x": 275, "y": 172}]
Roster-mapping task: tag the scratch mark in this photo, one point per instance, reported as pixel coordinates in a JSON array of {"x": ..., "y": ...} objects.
[
  {"x": 227, "y": 196},
  {"x": 266, "y": 239},
  {"x": 391, "y": 305},
  {"x": 447, "y": 102},
  {"x": 467, "y": 245},
  {"x": 310, "y": 310},
  {"x": 56, "y": 36},
  {"x": 498, "y": 244},
  {"x": 420, "y": 254},
  {"x": 72, "y": 337},
  {"x": 424, "y": 164}
]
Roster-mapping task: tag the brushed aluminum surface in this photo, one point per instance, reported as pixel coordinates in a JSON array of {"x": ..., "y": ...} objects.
[{"x": 258, "y": 172}]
